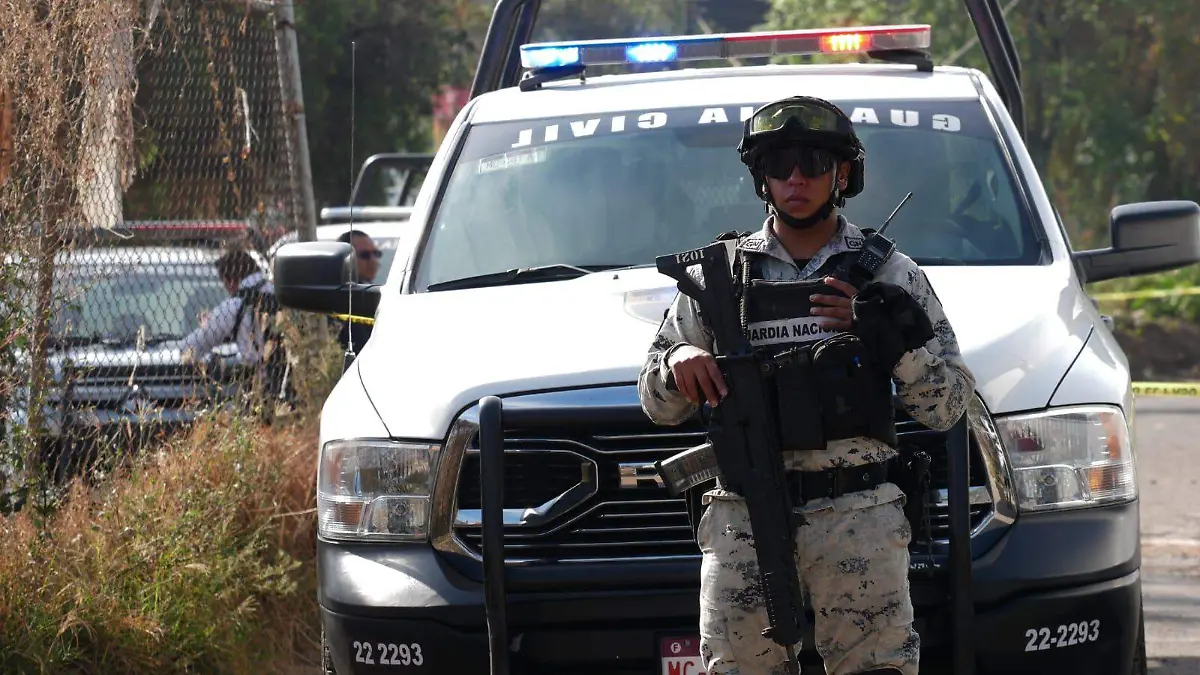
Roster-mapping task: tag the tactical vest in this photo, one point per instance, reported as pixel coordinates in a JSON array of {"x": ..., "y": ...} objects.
[{"x": 824, "y": 384}]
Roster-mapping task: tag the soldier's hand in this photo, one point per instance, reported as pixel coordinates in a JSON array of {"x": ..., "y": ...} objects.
[
  {"x": 696, "y": 373},
  {"x": 837, "y": 307}
]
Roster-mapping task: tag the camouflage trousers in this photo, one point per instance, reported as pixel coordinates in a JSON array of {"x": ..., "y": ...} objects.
[{"x": 854, "y": 566}]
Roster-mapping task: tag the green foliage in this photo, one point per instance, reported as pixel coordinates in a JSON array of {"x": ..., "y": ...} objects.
[
  {"x": 398, "y": 52},
  {"x": 951, "y": 25},
  {"x": 1177, "y": 306},
  {"x": 1109, "y": 100},
  {"x": 406, "y": 50},
  {"x": 591, "y": 19}
]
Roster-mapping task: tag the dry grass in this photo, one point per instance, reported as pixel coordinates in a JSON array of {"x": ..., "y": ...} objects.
[{"x": 198, "y": 558}]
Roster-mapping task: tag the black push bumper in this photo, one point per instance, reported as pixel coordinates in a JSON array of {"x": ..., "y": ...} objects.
[{"x": 397, "y": 613}]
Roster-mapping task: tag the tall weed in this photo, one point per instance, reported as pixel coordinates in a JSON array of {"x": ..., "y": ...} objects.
[{"x": 196, "y": 558}]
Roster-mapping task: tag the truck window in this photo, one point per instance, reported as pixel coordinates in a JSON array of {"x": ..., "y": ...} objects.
[
  {"x": 622, "y": 188},
  {"x": 113, "y": 301}
]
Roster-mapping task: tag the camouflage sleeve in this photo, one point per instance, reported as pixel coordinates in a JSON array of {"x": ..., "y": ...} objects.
[
  {"x": 933, "y": 381},
  {"x": 681, "y": 326}
]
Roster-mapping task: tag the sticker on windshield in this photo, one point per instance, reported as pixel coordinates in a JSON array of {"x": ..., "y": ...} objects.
[{"x": 512, "y": 159}]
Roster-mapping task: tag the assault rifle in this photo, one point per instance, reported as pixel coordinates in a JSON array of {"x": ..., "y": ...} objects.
[
  {"x": 744, "y": 438},
  {"x": 685, "y": 470}
]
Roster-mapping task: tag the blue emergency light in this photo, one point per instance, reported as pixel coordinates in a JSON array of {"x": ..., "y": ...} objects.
[{"x": 678, "y": 48}]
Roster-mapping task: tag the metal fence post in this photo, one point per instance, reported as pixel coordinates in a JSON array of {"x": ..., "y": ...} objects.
[{"x": 293, "y": 103}]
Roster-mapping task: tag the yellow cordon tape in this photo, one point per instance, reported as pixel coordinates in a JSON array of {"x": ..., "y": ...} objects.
[
  {"x": 1189, "y": 389},
  {"x": 355, "y": 319},
  {"x": 1185, "y": 389},
  {"x": 1124, "y": 295},
  {"x": 1147, "y": 293}
]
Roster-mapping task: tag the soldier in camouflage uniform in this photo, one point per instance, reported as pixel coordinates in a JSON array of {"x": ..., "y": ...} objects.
[{"x": 852, "y": 550}]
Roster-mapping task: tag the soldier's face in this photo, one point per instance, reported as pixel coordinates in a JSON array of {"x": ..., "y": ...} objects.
[{"x": 800, "y": 195}]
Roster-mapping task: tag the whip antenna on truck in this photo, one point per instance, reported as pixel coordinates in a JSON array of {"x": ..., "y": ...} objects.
[{"x": 348, "y": 357}]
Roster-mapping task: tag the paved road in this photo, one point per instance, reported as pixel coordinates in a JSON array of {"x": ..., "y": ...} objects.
[{"x": 1168, "y": 435}]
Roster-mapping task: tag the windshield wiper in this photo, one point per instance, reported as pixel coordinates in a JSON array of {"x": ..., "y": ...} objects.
[
  {"x": 521, "y": 274},
  {"x": 63, "y": 341}
]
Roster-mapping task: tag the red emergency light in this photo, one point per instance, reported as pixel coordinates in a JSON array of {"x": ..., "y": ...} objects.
[{"x": 860, "y": 39}]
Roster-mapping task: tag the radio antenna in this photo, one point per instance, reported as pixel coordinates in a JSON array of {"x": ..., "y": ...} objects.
[
  {"x": 894, "y": 212},
  {"x": 349, "y": 356}
]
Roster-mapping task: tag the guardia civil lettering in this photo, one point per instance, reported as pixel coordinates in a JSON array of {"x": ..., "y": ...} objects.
[{"x": 622, "y": 122}]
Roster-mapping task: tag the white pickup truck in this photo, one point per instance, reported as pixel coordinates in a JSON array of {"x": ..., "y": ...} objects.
[{"x": 533, "y": 280}]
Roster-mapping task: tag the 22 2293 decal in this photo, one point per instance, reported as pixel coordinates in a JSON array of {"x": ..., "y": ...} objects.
[
  {"x": 389, "y": 654},
  {"x": 1069, "y": 635}
]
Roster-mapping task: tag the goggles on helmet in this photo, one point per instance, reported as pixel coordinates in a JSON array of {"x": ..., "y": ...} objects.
[
  {"x": 778, "y": 163},
  {"x": 806, "y": 116}
]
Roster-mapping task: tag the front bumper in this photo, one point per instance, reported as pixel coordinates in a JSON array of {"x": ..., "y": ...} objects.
[
  {"x": 1091, "y": 629},
  {"x": 77, "y": 440},
  {"x": 1059, "y": 592}
]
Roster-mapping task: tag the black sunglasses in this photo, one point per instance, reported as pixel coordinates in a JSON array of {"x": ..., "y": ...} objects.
[
  {"x": 813, "y": 162},
  {"x": 367, "y": 255}
]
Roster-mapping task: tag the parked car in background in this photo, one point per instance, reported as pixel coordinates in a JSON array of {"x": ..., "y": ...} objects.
[{"x": 116, "y": 375}]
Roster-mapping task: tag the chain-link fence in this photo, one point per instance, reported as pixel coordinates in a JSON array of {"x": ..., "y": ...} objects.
[{"x": 151, "y": 151}]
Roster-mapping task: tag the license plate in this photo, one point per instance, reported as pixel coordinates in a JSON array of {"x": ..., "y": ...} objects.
[{"x": 681, "y": 655}]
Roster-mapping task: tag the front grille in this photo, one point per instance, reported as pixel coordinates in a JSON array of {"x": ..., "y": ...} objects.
[
  {"x": 530, "y": 478},
  {"x": 640, "y": 520},
  {"x": 109, "y": 387},
  {"x": 913, "y": 437}
]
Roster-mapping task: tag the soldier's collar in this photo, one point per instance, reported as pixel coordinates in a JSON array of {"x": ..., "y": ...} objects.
[
  {"x": 847, "y": 237},
  {"x": 764, "y": 242}
]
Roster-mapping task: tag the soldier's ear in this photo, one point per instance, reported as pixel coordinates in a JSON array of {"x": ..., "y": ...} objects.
[{"x": 843, "y": 174}]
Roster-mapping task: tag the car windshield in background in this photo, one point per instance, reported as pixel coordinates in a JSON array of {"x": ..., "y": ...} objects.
[
  {"x": 622, "y": 188},
  {"x": 113, "y": 302}
]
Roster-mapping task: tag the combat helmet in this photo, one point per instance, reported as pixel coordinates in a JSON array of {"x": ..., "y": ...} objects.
[{"x": 805, "y": 123}]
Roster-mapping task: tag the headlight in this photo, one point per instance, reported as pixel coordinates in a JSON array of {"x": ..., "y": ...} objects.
[
  {"x": 375, "y": 490},
  {"x": 1068, "y": 457}
]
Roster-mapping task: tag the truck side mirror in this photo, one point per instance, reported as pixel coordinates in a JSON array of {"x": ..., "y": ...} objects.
[
  {"x": 315, "y": 276},
  {"x": 1147, "y": 237}
]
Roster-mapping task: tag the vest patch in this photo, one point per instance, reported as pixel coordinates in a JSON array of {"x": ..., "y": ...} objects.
[{"x": 790, "y": 331}]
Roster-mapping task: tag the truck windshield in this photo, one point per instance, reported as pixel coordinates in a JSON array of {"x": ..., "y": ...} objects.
[
  {"x": 114, "y": 302},
  {"x": 622, "y": 188}
]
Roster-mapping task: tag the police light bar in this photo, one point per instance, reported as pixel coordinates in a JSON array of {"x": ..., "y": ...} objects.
[{"x": 725, "y": 46}]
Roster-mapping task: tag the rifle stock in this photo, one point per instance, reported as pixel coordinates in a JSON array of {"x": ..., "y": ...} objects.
[{"x": 745, "y": 440}]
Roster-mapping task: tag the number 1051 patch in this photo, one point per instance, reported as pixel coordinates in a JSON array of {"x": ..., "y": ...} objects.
[{"x": 1067, "y": 635}]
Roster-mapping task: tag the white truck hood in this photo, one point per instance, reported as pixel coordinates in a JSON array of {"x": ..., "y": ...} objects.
[{"x": 433, "y": 354}]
